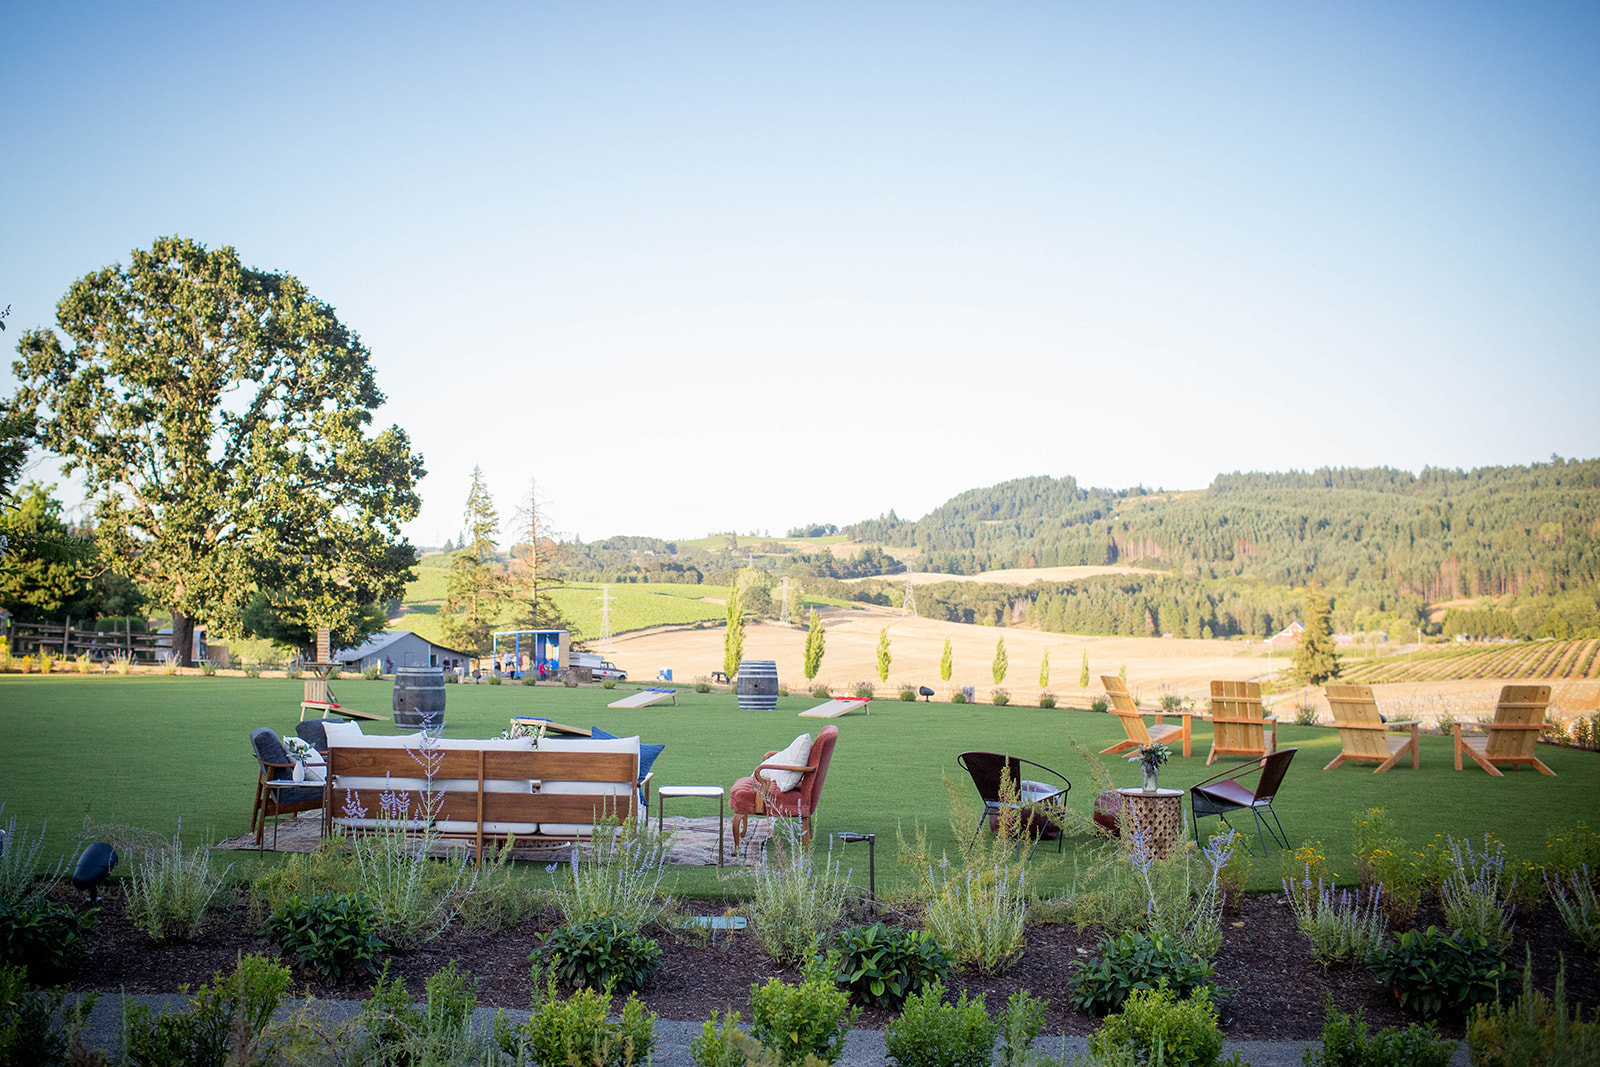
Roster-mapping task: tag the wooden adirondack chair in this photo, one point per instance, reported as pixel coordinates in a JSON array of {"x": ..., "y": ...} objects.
[
  {"x": 1139, "y": 735},
  {"x": 1238, "y": 721},
  {"x": 1363, "y": 733},
  {"x": 1512, "y": 737}
]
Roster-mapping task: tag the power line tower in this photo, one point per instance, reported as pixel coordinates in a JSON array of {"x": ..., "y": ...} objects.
[
  {"x": 909, "y": 605},
  {"x": 605, "y": 612},
  {"x": 783, "y": 604}
]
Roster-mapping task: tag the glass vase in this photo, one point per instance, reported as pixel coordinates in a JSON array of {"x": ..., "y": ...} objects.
[{"x": 1149, "y": 772}]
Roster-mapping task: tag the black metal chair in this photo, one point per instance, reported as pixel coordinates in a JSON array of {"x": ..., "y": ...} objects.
[
  {"x": 1036, "y": 803},
  {"x": 276, "y": 792},
  {"x": 1224, "y": 792}
]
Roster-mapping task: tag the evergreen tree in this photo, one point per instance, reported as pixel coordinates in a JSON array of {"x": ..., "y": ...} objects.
[
  {"x": 1315, "y": 661},
  {"x": 883, "y": 654},
  {"x": 1044, "y": 670},
  {"x": 733, "y": 640},
  {"x": 1001, "y": 663},
  {"x": 816, "y": 636},
  {"x": 1083, "y": 675},
  {"x": 946, "y": 662},
  {"x": 528, "y": 581},
  {"x": 476, "y": 588}
]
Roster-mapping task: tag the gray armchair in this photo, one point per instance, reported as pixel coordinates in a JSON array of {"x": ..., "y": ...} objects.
[{"x": 277, "y": 793}]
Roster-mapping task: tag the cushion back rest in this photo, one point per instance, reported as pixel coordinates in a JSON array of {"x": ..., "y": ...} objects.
[
  {"x": 1523, "y": 707},
  {"x": 821, "y": 755},
  {"x": 313, "y": 732},
  {"x": 269, "y": 749}
]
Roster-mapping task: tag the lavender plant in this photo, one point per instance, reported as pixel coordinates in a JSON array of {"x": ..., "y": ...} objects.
[
  {"x": 1581, "y": 910},
  {"x": 20, "y": 882},
  {"x": 622, "y": 879},
  {"x": 1476, "y": 894},
  {"x": 169, "y": 893},
  {"x": 1346, "y": 927},
  {"x": 798, "y": 900},
  {"x": 979, "y": 919}
]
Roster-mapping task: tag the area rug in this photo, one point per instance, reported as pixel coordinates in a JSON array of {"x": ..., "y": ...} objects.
[{"x": 694, "y": 841}]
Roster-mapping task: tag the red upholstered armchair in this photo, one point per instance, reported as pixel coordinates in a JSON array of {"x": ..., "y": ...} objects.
[{"x": 757, "y": 796}]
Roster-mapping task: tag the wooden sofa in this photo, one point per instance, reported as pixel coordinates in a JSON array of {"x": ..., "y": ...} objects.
[{"x": 483, "y": 790}]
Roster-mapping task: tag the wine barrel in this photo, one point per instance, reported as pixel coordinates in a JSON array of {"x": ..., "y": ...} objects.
[
  {"x": 757, "y": 685},
  {"x": 419, "y": 696}
]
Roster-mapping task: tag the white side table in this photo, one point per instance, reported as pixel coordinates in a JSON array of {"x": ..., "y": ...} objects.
[{"x": 708, "y": 791}]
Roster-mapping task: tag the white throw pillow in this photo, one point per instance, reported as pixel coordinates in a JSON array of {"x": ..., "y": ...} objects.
[
  {"x": 343, "y": 733},
  {"x": 798, "y": 754}
]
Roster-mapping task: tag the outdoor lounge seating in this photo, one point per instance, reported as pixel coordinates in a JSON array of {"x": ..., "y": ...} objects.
[
  {"x": 1238, "y": 721},
  {"x": 759, "y": 794},
  {"x": 1513, "y": 737},
  {"x": 483, "y": 790},
  {"x": 277, "y": 793},
  {"x": 1125, "y": 708},
  {"x": 1036, "y": 803},
  {"x": 1225, "y": 792},
  {"x": 1363, "y": 732}
]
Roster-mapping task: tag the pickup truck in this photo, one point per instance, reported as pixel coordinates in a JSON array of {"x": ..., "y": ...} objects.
[{"x": 600, "y": 668}]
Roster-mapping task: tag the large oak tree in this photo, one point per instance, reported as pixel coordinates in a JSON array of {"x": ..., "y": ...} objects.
[{"x": 220, "y": 416}]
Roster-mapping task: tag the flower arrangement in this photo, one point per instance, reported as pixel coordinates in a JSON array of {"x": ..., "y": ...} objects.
[{"x": 1151, "y": 759}]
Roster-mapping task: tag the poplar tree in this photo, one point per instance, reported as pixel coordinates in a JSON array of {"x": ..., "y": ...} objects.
[
  {"x": 946, "y": 662},
  {"x": 1044, "y": 670},
  {"x": 815, "y": 639},
  {"x": 733, "y": 640},
  {"x": 1083, "y": 675},
  {"x": 884, "y": 658},
  {"x": 1001, "y": 663},
  {"x": 1315, "y": 661}
]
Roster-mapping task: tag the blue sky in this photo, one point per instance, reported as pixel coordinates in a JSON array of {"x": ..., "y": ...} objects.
[{"x": 693, "y": 268}]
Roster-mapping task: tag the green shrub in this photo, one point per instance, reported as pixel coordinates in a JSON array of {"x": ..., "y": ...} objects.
[
  {"x": 931, "y": 1033},
  {"x": 1304, "y": 716},
  {"x": 1135, "y": 960},
  {"x": 608, "y": 683},
  {"x": 42, "y": 937},
  {"x": 806, "y": 1019},
  {"x": 372, "y": 673},
  {"x": 702, "y": 687},
  {"x": 601, "y": 954},
  {"x": 958, "y": 697},
  {"x": 821, "y": 693},
  {"x": 529, "y": 678},
  {"x": 394, "y": 1032},
  {"x": 29, "y": 1032},
  {"x": 864, "y": 690},
  {"x": 1430, "y": 972},
  {"x": 1020, "y": 1024},
  {"x": 252, "y": 671},
  {"x": 1047, "y": 700},
  {"x": 1346, "y": 1043},
  {"x": 720, "y": 1044},
  {"x": 452, "y": 678},
  {"x": 1533, "y": 1030},
  {"x": 222, "y": 1025},
  {"x": 333, "y": 936},
  {"x": 207, "y": 669},
  {"x": 1157, "y": 1025},
  {"x": 579, "y": 1031},
  {"x": 1476, "y": 895},
  {"x": 20, "y": 881},
  {"x": 882, "y": 965},
  {"x": 1099, "y": 704},
  {"x": 908, "y": 695},
  {"x": 798, "y": 900},
  {"x": 999, "y": 697},
  {"x": 169, "y": 893},
  {"x": 495, "y": 679},
  {"x": 783, "y": 690},
  {"x": 622, "y": 881}
]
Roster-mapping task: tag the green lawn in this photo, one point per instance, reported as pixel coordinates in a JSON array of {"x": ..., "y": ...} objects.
[{"x": 145, "y": 750}]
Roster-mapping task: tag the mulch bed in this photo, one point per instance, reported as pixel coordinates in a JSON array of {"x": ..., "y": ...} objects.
[{"x": 1275, "y": 990}]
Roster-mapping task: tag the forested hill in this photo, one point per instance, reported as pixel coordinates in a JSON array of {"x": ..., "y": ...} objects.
[{"x": 1442, "y": 534}]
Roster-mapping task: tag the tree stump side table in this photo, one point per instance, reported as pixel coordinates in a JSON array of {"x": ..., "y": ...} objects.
[{"x": 1157, "y": 814}]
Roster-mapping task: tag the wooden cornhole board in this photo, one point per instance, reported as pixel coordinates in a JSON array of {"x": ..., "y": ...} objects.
[
  {"x": 318, "y": 697},
  {"x": 549, "y": 727},
  {"x": 645, "y": 697},
  {"x": 835, "y": 708}
]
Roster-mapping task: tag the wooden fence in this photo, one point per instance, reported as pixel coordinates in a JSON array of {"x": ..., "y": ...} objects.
[{"x": 67, "y": 641}]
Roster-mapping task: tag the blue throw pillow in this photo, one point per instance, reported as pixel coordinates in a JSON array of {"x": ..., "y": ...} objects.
[{"x": 647, "y": 753}]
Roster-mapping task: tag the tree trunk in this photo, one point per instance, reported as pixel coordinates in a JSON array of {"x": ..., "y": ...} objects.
[{"x": 183, "y": 638}]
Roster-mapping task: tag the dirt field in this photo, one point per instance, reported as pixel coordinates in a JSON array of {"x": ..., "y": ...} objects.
[{"x": 1155, "y": 666}]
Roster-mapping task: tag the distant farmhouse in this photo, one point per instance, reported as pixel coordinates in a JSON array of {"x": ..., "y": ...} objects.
[
  {"x": 1287, "y": 637},
  {"x": 393, "y": 649}
]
